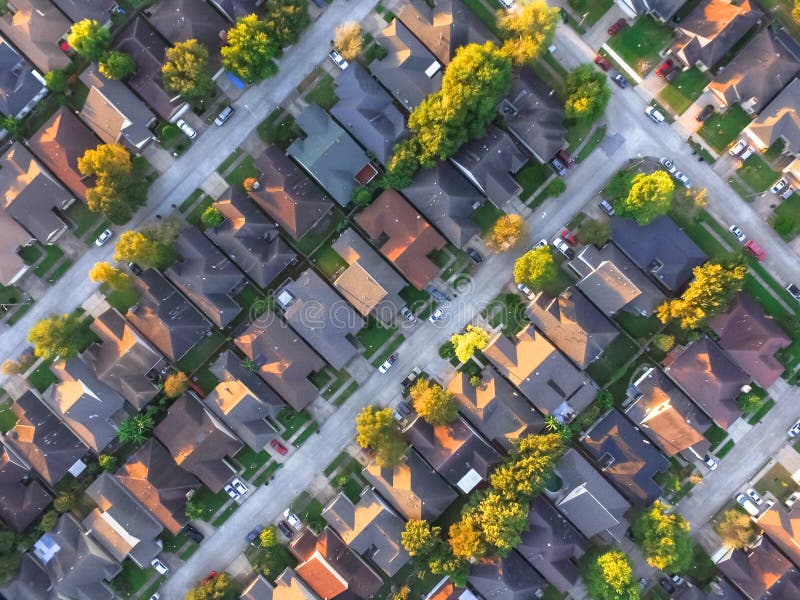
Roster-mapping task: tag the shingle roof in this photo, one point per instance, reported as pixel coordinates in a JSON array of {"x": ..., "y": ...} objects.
[
  {"x": 235, "y": 9},
  {"x": 21, "y": 500},
  {"x": 663, "y": 9},
  {"x": 36, "y": 28},
  {"x": 782, "y": 526},
  {"x": 12, "y": 237},
  {"x": 77, "y": 10},
  {"x": 756, "y": 570},
  {"x": 509, "y": 578},
  {"x": 18, "y": 83},
  {"x": 258, "y": 589},
  {"x": 30, "y": 583},
  {"x": 779, "y": 120},
  {"x": 181, "y": 20}
]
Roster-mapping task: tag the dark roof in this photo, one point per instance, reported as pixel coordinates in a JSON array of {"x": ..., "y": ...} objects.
[
  {"x": 447, "y": 199},
  {"x": 455, "y": 450},
  {"x": 181, "y": 20},
  {"x": 154, "y": 479},
  {"x": 30, "y": 583},
  {"x": 779, "y": 120},
  {"x": 660, "y": 249},
  {"x": 42, "y": 440},
  {"x": 573, "y": 324},
  {"x": 711, "y": 379},
  {"x": 77, "y": 10},
  {"x": 413, "y": 487},
  {"x": 782, "y": 527},
  {"x": 509, "y": 578},
  {"x": 165, "y": 317},
  {"x": 250, "y": 238},
  {"x": 757, "y": 570},
  {"x": 662, "y": 9},
  {"x": 22, "y": 498},
  {"x": 12, "y": 237},
  {"x": 488, "y": 162},
  {"x": 235, "y": 9},
  {"x": 366, "y": 111},
  {"x": 287, "y": 195},
  {"x": 409, "y": 71},
  {"x": 258, "y": 589},
  {"x": 36, "y": 27},
  {"x": 19, "y": 83}
]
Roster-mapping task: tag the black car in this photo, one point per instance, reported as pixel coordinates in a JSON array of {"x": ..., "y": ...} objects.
[
  {"x": 559, "y": 167},
  {"x": 707, "y": 111},
  {"x": 193, "y": 534},
  {"x": 254, "y": 534},
  {"x": 474, "y": 255},
  {"x": 619, "y": 79},
  {"x": 667, "y": 585},
  {"x": 437, "y": 295},
  {"x": 135, "y": 269},
  {"x": 285, "y": 529}
]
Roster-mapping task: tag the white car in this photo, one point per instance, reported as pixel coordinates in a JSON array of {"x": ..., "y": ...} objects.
[
  {"x": 103, "y": 237},
  {"x": 738, "y": 148},
  {"x": 408, "y": 315},
  {"x": 437, "y": 315},
  {"x": 737, "y": 233},
  {"x": 293, "y": 519},
  {"x": 795, "y": 430},
  {"x": 239, "y": 486},
  {"x": 668, "y": 165},
  {"x": 159, "y": 566},
  {"x": 746, "y": 154},
  {"x": 508, "y": 4},
  {"x": 186, "y": 128},
  {"x": 338, "y": 60},
  {"x": 564, "y": 248},
  {"x": 779, "y": 186},
  {"x": 685, "y": 181},
  {"x": 754, "y": 496},
  {"x": 387, "y": 364},
  {"x": 790, "y": 501},
  {"x": 654, "y": 114},
  {"x": 710, "y": 462},
  {"x": 795, "y": 292},
  {"x": 745, "y": 503},
  {"x": 526, "y": 291},
  {"x": 232, "y": 493},
  {"x": 540, "y": 244},
  {"x": 155, "y": 596}
]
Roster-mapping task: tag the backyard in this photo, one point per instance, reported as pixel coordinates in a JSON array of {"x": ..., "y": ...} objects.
[
  {"x": 327, "y": 260},
  {"x": 614, "y": 358},
  {"x": 721, "y": 129},
  {"x": 640, "y": 44},
  {"x": 373, "y": 336},
  {"x": 757, "y": 174},
  {"x": 684, "y": 90}
]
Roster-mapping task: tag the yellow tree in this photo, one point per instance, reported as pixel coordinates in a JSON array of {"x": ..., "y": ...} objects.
[
  {"x": 650, "y": 196},
  {"x": 176, "y": 383},
  {"x": 146, "y": 252},
  {"x": 535, "y": 268},
  {"x": 507, "y": 231},
  {"x": 103, "y": 272},
  {"x": 609, "y": 576},
  {"x": 736, "y": 530},
  {"x": 435, "y": 405},
  {"x": 110, "y": 161},
  {"x": 377, "y": 430},
  {"x": 527, "y": 31},
  {"x": 465, "y": 344},
  {"x": 89, "y": 39},
  {"x": 466, "y": 537},
  {"x": 348, "y": 39},
  {"x": 664, "y": 538},
  {"x": 56, "y": 335}
]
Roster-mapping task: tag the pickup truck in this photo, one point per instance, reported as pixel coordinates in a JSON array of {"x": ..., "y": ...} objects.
[{"x": 410, "y": 377}]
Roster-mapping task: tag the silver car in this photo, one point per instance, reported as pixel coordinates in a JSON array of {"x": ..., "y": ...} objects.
[
  {"x": 187, "y": 129},
  {"x": 338, "y": 60}
]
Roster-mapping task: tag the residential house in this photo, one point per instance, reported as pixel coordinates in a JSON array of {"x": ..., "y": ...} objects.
[
  {"x": 77, "y": 566},
  {"x": 43, "y": 441},
  {"x": 758, "y": 73},
  {"x": 626, "y": 457},
  {"x": 403, "y": 237},
  {"x": 181, "y": 20},
  {"x": 287, "y": 195},
  {"x": 710, "y": 378},
  {"x": 21, "y": 87},
  {"x": 321, "y": 317},
  {"x": 122, "y": 526},
  {"x": 198, "y": 441},
  {"x": 761, "y": 572},
  {"x": 98, "y": 10},
  {"x": 447, "y": 200},
  {"x": 711, "y": 31},
  {"x": 585, "y": 497},
  {"x": 409, "y": 71},
  {"x": 508, "y": 578},
  {"x": 573, "y": 324},
  {"x": 282, "y": 359},
  {"x": 22, "y": 498},
  {"x": 366, "y": 111},
  {"x": 236, "y": 9},
  {"x": 368, "y": 282},
  {"x": 782, "y": 527},
  {"x": 662, "y": 10},
  {"x": 371, "y": 528},
  {"x": 31, "y": 582},
  {"x": 114, "y": 112},
  {"x": 32, "y": 195},
  {"x": 543, "y": 374},
  {"x": 124, "y": 360},
  {"x": 533, "y": 115},
  {"x": 258, "y": 589},
  {"x": 331, "y": 569},
  {"x": 613, "y": 283},
  {"x": 288, "y": 586},
  {"x": 148, "y": 50},
  {"x": 152, "y": 477},
  {"x": 455, "y": 450},
  {"x": 666, "y": 415},
  {"x": 206, "y": 276},
  {"x": 90, "y": 408},
  {"x": 552, "y": 545},
  {"x": 243, "y": 401},
  {"x": 250, "y": 239},
  {"x": 165, "y": 317},
  {"x": 778, "y": 123},
  {"x": 495, "y": 409},
  {"x": 489, "y": 162},
  {"x": 13, "y": 237},
  {"x": 660, "y": 249},
  {"x": 751, "y": 338},
  {"x": 414, "y": 489},
  {"x": 37, "y": 29},
  {"x": 447, "y": 590}
]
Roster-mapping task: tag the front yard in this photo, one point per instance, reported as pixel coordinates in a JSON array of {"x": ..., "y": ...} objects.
[
  {"x": 640, "y": 44},
  {"x": 684, "y": 90},
  {"x": 373, "y": 336},
  {"x": 722, "y": 128},
  {"x": 506, "y": 310},
  {"x": 757, "y": 174},
  {"x": 590, "y": 10},
  {"x": 787, "y": 217}
]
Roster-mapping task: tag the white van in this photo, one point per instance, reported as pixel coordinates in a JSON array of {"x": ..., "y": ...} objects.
[{"x": 746, "y": 504}]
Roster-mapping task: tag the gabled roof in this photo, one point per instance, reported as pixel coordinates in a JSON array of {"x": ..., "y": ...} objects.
[
  {"x": 77, "y": 10},
  {"x": 258, "y": 589},
  {"x": 757, "y": 570},
  {"x": 282, "y": 359},
  {"x": 366, "y": 110},
  {"x": 18, "y": 83},
  {"x": 153, "y": 478},
  {"x": 509, "y": 578},
  {"x": 165, "y": 317},
  {"x": 288, "y": 586},
  {"x": 235, "y": 9},
  {"x": 533, "y": 115},
  {"x": 412, "y": 487},
  {"x": 249, "y": 238},
  {"x": 181, "y": 20},
  {"x": 663, "y": 9},
  {"x": 447, "y": 199},
  {"x": 495, "y": 409},
  {"x": 711, "y": 379},
  {"x": 21, "y": 499},
  {"x": 751, "y": 338},
  {"x": 86, "y": 405},
  {"x": 660, "y": 249},
  {"x": 42, "y": 440},
  {"x": 488, "y": 162},
  {"x": 320, "y": 315},
  {"x": 403, "y": 236},
  {"x": 455, "y": 450},
  {"x": 782, "y": 527},
  {"x": 780, "y": 120},
  {"x": 30, "y": 583},
  {"x": 573, "y": 324},
  {"x": 370, "y": 528},
  {"x": 626, "y": 457},
  {"x": 36, "y": 28},
  {"x": 198, "y": 441},
  {"x": 12, "y": 237},
  {"x": 328, "y": 153},
  {"x": 287, "y": 195},
  {"x": 409, "y": 71}
]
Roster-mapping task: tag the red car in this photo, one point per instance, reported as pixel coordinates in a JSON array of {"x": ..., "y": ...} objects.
[
  {"x": 278, "y": 447},
  {"x": 602, "y": 63},
  {"x": 617, "y": 27},
  {"x": 665, "y": 68},
  {"x": 755, "y": 250},
  {"x": 568, "y": 237}
]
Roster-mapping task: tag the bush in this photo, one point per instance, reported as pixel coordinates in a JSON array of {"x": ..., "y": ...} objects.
[
  {"x": 784, "y": 224},
  {"x": 664, "y": 342},
  {"x": 447, "y": 350}
]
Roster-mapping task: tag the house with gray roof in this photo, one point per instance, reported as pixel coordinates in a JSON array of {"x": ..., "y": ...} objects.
[
  {"x": 367, "y": 112},
  {"x": 13, "y": 237},
  {"x": 414, "y": 489},
  {"x": 31, "y": 582},
  {"x": 508, "y": 578},
  {"x": 447, "y": 200},
  {"x": 22, "y": 498},
  {"x": 761, "y": 571},
  {"x": 662, "y": 10},
  {"x": 181, "y": 20},
  {"x": 249, "y": 238},
  {"x": 115, "y": 113},
  {"x": 495, "y": 409},
  {"x": 120, "y": 524},
  {"x": 77, "y": 10},
  {"x": 326, "y": 321},
  {"x": 371, "y": 528},
  {"x": 779, "y": 121},
  {"x": 489, "y": 162},
  {"x": 36, "y": 28},
  {"x": 235, "y": 9},
  {"x": 21, "y": 87},
  {"x": 409, "y": 71},
  {"x": 258, "y": 589}
]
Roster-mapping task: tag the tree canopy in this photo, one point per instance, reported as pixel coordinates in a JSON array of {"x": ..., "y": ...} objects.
[
  {"x": 211, "y": 217},
  {"x": 175, "y": 384},
  {"x": 249, "y": 50},
  {"x": 434, "y": 404},
  {"x": 285, "y": 20},
  {"x": 736, "y": 529},
  {"x": 378, "y": 431},
  {"x": 507, "y": 232},
  {"x": 185, "y": 71},
  {"x": 650, "y": 196},
  {"x": 57, "y": 335},
  {"x": 465, "y": 344},
  {"x": 348, "y": 40},
  {"x": 117, "y": 65},
  {"x": 402, "y": 166},
  {"x": 120, "y": 189},
  {"x": 663, "y": 536},
  {"x": 587, "y": 93},
  {"x": 269, "y": 537},
  {"x": 536, "y": 268},
  {"x": 527, "y": 31},
  {"x": 89, "y": 39},
  {"x": 116, "y": 279},
  {"x": 220, "y": 587},
  {"x": 595, "y": 232},
  {"x": 136, "y": 247},
  {"x": 609, "y": 576},
  {"x": 57, "y": 81},
  {"x": 136, "y": 429}
]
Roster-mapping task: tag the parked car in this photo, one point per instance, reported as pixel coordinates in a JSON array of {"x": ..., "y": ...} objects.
[
  {"x": 754, "y": 496},
  {"x": 756, "y": 251},
  {"x": 103, "y": 238},
  {"x": 667, "y": 585},
  {"x": 602, "y": 63},
  {"x": 779, "y": 186},
  {"x": 403, "y": 408},
  {"x": 474, "y": 255},
  {"x": 409, "y": 379},
  {"x": 540, "y": 244},
  {"x": 526, "y": 291},
  {"x": 606, "y": 207},
  {"x": 565, "y": 158},
  {"x": 617, "y": 27},
  {"x": 155, "y": 596},
  {"x": 654, "y": 114},
  {"x": 737, "y": 149},
  {"x": 293, "y": 520},
  {"x": 284, "y": 528},
  {"x": 387, "y": 364},
  {"x": 408, "y": 315},
  {"x": 664, "y": 68},
  {"x": 437, "y": 315},
  {"x": 187, "y": 129},
  {"x": 790, "y": 501},
  {"x": 677, "y": 580},
  {"x": 706, "y": 112},
  {"x": 710, "y": 462},
  {"x": 787, "y": 192},
  {"x": 508, "y": 4},
  {"x": 239, "y": 486},
  {"x": 232, "y": 493},
  {"x": 737, "y": 233},
  {"x": 745, "y": 503},
  {"x": 668, "y": 165},
  {"x": 746, "y": 154},
  {"x": 558, "y": 167},
  {"x": 254, "y": 534},
  {"x": 223, "y": 116},
  {"x": 159, "y": 566},
  {"x": 338, "y": 60},
  {"x": 569, "y": 237},
  {"x": 193, "y": 534},
  {"x": 278, "y": 447},
  {"x": 795, "y": 430},
  {"x": 135, "y": 269},
  {"x": 672, "y": 74},
  {"x": 437, "y": 295},
  {"x": 683, "y": 179},
  {"x": 794, "y": 291},
  {"x": 562, "y": 247},
  {"x": 619, "y": 79}
]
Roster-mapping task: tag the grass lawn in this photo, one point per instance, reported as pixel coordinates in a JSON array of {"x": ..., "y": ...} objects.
[
  {"x": 194, "y": 216},
  {"x": 210, "y": 501},
  {"x": 309, "y": 510},
  {"x": 415, "y": 299},
  {"x": 52, "y": 255},
  {"x": 251, "y": 461},
  {"x": 614, "y": 358},
  {"x": 721, "y": 129},
  {"x": 782, "y": 9},
  {"x": 280, "y": 132},
  {"x": 225, "y": 514},
  {"x": 639, "y": 44},
  {"x": 59, "y": 271},
  {"x": 266, "y": 473},
  {"x": 532, "y": 177},
  {"x": 508, "y": 310},
  {"x": 486, "y": 216},
  {"x": 30, "y": 254},
  {"x": 788, "y": 214},
  {"x": 225, "y": 164},
  {"x": 7, "y": 418},
  {"x": 485, "y": 14},
  {"x": 723, "y": 452},
  {"x": 333, "y": 387},
  {"x": 344, "y": 395},
  {"x": 684, "y": 90},
  {"x": 591, "y": 144},
  {"x": 198, "y": 355},
  {"x": 715, "y": 435},
  {"x": 387, "y": 350},
  {"x": 42, "y": 377},
  {"x": 373, "y": 336},
  {"x": 292, "y": 421},
  {"x": 131, "y": 579},
  {"x": 419, "y": 581},
  {"x": 301, "y": 437},
  {"x": 335, "y": 464},
  {"x": 592, "y": 9},
  {"x": 761, "y": 412},
  {"x": 187, "y": 204},
  {"x": 640, "y": 328},
  {"x": 577, "y": 130},
  {"x": 82, "y": 218},
  {"x": 243, "y": 170},
  {"x": 323, "y": 93},
  {"x": 757, "y": 174},
  {"x": 702, "y": 570},
  {"x": 328, "y": 261},
  {"x": 778, "y": 481}
]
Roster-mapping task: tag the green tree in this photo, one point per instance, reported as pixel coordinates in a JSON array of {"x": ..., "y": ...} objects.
[
  {"x": 361, "y": 196},
  {"x": 145, "y": 252},
  {"x": 447, "y": 350},
  {"x": 103, "y": 272},
  {"x": 527, "y": 31},
  {"x": 248, "y": 51},
  {"x": 377, "y": 431},
  {"x": 736, "y": 529},
  {"x": 119, "y": 188},
  {"x": 687, "y": 203},
  {"x": 285, "y": 20},
  {"x": 10, "y": 555},
  {"x": 465, "y": 344},
  {"x": 595, "y": 232},
  {"x": 650, "y": 196},
  {"x": 107, "y": 462},
  {"x": 348, "y": 40},
  {"x": 89, "y": 39},
  {"x": 749, "y": 403},
  {"x": 194, "y": 510},
  {"x": 57, "y": 336},
  {"x": 136, "y": 429},
  {"x": 269, "y": 537},
  {"x": 220, "y": 587},
  {"x": 117, "y": 65},
  {"x": 433, "y": 403},
  {"x": 185, "y": 71},
  {"x": 587, "y": 93},
  {"x": 12, "y": 125},
  {"x": 211, "y": 217},
  {"x": 48, "y": 521},
  {"x": 507, "y": 232},
  {"x": 536, "y": 268},
  {"x": 609, "y": 576},
  {"x": 663, "y": 536},
  {"x": 175, "y": 384},
  {"x": 402, "y": 166},
  {"x": 56, "y": 81}
]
